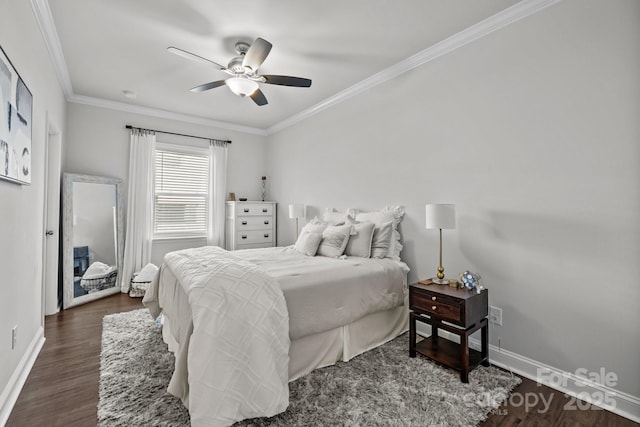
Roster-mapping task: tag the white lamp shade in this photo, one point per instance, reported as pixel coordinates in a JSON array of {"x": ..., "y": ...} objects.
[
  {"x": 296, "y": 210},
  {"x": 440, "y": 216},
  {"x": 241, "y": 86}
]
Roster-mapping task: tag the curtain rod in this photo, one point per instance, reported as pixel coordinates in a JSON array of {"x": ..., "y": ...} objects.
[{"x": 179, "y": 134}]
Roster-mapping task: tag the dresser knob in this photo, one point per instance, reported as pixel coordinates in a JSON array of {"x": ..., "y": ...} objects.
[
  {"x": 246, "y": 210},
  {"x": 244, "y": 222},
  {"x": 266, "y": 235},
  {"x": 264, "y": 210},
  {"x": 244, "y": 236},
  {"x": 433, "y": 307},
  {"x": 266, "y": 223},
  {"x": 433, "y": 298}
]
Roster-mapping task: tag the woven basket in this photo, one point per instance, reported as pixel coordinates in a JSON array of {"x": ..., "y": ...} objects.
[
  {"x": 100, "y": 283},
  {"x": 138, "y": 289}
]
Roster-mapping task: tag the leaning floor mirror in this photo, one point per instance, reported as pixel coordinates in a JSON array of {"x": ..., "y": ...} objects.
[{"x": 92, "y": 242}]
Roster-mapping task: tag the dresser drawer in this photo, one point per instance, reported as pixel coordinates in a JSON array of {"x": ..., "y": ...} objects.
[
  {"x": 254, "y": 223},
  {"x": 254, "y": 236},
  {"x": 446, "y": 308},
  {"x": 247, "y": 209}
]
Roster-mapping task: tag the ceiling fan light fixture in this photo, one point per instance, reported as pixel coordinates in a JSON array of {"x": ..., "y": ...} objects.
[{"x": 241, "y": 86}]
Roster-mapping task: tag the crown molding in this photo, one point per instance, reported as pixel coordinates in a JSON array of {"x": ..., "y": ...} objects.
[
  {"x": 501, "y": 19},
  {"x": 163, "y": 114},
  {"x": 47, "y": 27}
]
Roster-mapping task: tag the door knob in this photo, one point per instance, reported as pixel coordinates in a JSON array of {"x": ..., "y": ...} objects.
[{"x": 49, "y": 233}]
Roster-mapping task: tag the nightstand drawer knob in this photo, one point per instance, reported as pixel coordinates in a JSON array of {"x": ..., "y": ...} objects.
[
  {"x": 433, "y": 298},
  {"x": 433, "y": 307}
]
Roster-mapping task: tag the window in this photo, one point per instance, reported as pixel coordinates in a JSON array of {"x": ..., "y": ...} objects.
[{"x": 181, "y": 191}]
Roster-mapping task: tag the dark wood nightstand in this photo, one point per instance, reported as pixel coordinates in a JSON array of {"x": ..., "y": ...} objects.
[{"x": 458, "y": 311}]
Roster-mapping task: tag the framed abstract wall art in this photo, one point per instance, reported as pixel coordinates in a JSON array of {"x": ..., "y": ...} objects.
[{"x": 16, "y": 110}]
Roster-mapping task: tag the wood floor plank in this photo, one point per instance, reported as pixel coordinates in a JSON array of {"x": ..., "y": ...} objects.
[{"x": 62, "y": 388}]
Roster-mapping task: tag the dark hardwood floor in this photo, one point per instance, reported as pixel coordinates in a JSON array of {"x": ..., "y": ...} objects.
[{"x": 62, "y": 388}]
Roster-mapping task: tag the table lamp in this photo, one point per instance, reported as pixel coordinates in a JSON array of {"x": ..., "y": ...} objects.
[
  {"x": 440, "y": 216},
  {"x": 296, "y": 210}
]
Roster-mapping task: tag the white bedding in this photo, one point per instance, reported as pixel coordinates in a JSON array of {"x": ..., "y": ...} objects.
[
  {"x": 322, "y": 295},
  {"x": 238, "y": 351}
]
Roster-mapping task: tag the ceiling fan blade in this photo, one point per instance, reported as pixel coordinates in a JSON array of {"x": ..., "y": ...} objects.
[
  {"x": 259, "y": 98},
  {"x": 286, "y": 80},
  {"x": 256, "y": 54},
  {"x": 207, "y": 86},
  {"x": 194, "y": 57}
]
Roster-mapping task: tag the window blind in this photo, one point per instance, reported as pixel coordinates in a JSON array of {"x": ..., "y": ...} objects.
[{"x": 181, "y": 192}]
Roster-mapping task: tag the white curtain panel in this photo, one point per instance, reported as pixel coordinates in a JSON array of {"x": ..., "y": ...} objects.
[
  {"x": 139, "y": 227},
  {"x": 217, "y": 192}
]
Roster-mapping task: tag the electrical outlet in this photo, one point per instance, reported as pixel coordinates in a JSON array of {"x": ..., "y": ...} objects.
[
  {"x": 495, "y": 315},
  {"x": 14, "y": 337}
]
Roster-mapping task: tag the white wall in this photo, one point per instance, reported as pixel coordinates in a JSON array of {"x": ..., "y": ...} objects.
[
  {"x": 98, "y": 144},
  {"x": 533, "y": 133},
  {"x": 21, "y": 206}
]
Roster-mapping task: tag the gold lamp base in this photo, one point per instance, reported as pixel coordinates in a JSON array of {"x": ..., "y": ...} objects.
[{"x": 440, "y": 279}]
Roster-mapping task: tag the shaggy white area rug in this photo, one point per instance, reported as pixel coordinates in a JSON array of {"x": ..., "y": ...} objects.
[{"x": 382, "y": 387}]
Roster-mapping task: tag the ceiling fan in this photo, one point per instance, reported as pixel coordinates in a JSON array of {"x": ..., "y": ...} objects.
[{"x": 243, "y": 70}]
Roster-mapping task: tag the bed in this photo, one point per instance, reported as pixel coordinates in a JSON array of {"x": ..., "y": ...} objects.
[{"x": 235, "y": 354}]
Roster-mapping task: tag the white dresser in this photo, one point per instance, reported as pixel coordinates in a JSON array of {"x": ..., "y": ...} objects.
[{"x": 250, "y": 225}]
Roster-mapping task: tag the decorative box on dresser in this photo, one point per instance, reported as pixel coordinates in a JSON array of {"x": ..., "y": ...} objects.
[{"x": 250, "y": 225}]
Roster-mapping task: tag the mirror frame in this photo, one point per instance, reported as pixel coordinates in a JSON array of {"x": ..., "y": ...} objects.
[{"x": 69, "y": 300}]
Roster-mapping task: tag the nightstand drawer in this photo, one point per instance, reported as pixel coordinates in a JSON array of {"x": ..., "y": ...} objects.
[
  {"x": 461, "y": 307},
  {"x": 446, "y": 308}
]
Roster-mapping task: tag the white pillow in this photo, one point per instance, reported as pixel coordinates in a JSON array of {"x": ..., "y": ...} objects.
[
  {"x": 334, "y": 240},
  {"x": 360, "y": 243},
  {"x": 381, "y": 240},
  {"x": 389, "y": 213},
  {"x": 314, "y": 226},
  {"x": 333, "y": 217},
  {"x": 308, "y": 243}
]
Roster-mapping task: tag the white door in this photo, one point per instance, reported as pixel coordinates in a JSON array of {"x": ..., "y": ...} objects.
[{"x": 50, "y": 302}]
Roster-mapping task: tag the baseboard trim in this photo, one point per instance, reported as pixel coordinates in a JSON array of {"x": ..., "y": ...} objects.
[
  {"x": 10, "y": 394},
  {"x": 580, "y": 388}
]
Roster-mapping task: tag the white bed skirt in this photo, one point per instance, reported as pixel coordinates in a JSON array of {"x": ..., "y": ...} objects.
[
  {"x": 346, "y": 342},
  {"x": 342, "y": 343}
]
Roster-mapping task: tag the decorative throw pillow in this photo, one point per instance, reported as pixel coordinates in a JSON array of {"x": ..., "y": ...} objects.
[
  {"x": 308, "y": 243},
  {"x": 314, "y": 226},
  {"x": 360, "y": 243},
  {"x": 381, "y": 240},
  {"x": 334, "y": 240},
  {"x": 389, "y": 213}
]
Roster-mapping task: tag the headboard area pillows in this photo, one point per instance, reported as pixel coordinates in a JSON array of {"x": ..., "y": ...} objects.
[
  {"x": 308, "y": 242},
  {"x": 361, "y": 238},
  {"x": 310, "y": 237},
  {"x": 334, "y": 240},
  {"x": 381, "y": 218},
  {"x": 333, "y": 217}
]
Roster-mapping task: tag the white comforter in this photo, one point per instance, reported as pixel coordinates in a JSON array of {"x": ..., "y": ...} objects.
[
  {"x": 238, "y": 352},
  {"x": 323, "y": 293}
]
